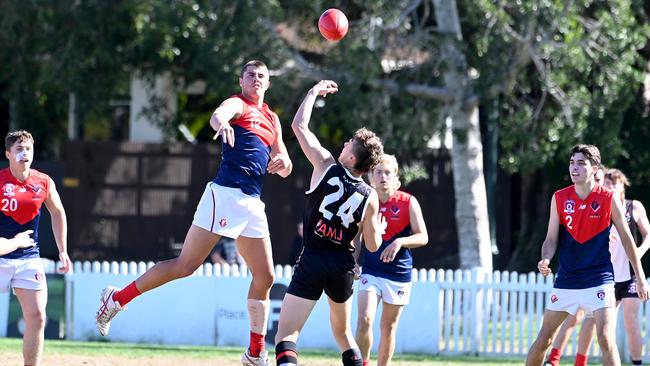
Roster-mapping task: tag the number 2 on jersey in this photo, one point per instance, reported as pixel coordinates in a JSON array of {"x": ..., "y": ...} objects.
[
  {"x": 569, "y": 221},
  {"x": 347, "y": 208}
]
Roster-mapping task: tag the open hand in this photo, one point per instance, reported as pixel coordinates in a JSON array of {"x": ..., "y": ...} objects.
[{"x": 225, "y": 130}]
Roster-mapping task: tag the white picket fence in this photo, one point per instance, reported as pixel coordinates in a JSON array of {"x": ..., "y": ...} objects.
[{"x": 456, "y": 311}]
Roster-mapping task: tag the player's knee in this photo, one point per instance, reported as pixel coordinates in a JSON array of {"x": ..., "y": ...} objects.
[
  {"x": 388, "y": 327},
  {"x": 605, "y": 340},
  {"x": 35, "y": 318},
  {"x": 264, "y": 279},
  {"x": 364, "y": 322},
  {"x": 285, "y": 353},
  {"x": 352, "y": 357},
  {"x": 184, "y": 269}
]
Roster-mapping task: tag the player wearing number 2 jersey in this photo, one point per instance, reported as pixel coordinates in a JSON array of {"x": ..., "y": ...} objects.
[
  {"x": 579, "y": 224},
  {"x": 339, "y": 207},
  {"x": 23, "y": 191}
]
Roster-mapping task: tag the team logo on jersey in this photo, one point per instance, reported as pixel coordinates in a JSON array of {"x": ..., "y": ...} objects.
[
  {"x": 400, "y": 293},
  {"x": 395, "y": 210},
  {"x": 330, "y": 232},
  {"x": 595, "y": 205},
  {"x": 364, "y": 280},
  {"x": 38, "y": 276},
  {"x": 36, "y": 189},
  {"x": 223, "y": 222},
  {"x": 632, "y": 288},
  {"x": 554, "y": 298},
  {"x": 569, "y": 206},
  {"x": 600, "y": 294},
  {"x": 9, "y": 190}
]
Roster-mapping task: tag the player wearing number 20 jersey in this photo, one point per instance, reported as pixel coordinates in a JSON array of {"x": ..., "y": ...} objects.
[
  {"x": 334, "y": 209},
  {"x": 20, "y": 203}
]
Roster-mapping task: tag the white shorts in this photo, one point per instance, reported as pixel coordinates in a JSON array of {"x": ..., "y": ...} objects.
[
  {"x": 391, "y": 292},
  {"x": 22, "y": 273},
  {"x": 229, "y": 212},
  {"x": 588, "y": 299}
]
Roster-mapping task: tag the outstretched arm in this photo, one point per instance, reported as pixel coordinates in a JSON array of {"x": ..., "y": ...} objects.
[
  {"x": 220, "y": 120},
  {"x": 318, "y": 156}
]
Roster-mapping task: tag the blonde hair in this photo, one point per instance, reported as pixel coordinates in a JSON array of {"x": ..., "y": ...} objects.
[
  {"x": 617, "y": 176},
  {"x": 392, "y": 160}
]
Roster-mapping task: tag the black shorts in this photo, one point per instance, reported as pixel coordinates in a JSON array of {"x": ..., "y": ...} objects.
[
  {"x": 321, "y": 270},
  {"x": 625, "y": 289}
]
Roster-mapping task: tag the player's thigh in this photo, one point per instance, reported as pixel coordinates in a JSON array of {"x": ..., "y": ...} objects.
[
  {"x": 197, "y": 246},
  {"x": 293, "y": 315},
  {"x": 390, "y": 315},
  {"x": 605, "y": 319},
  {"x": 340, "y": 314},
  {"x": 551, "y": 322},
  {"x": 631, "y": 306},
  {"x": 32, "y": 302},
  {"x": 257, "y": 254}
]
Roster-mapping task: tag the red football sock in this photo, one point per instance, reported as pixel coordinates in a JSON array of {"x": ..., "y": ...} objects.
[
  {"x": 256, "y": 344},
  {"x": 366, "y": 362},
  {"x": 554, "y": 357},
  {"x": 127, "y": 294},
  {"x": 581, "y": 360}
]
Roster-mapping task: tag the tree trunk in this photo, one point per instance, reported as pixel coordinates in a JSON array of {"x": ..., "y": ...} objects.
[{"x": 467, "y": 150}]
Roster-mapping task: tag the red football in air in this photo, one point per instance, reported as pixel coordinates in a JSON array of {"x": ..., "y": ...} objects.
[{"x": 333, "y": 24}]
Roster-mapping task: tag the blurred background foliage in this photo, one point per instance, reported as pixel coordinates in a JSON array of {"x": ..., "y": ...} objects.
[{"x": 547, "y": 74}]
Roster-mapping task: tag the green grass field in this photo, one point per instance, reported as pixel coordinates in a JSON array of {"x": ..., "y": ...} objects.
[{"x": 123, "y": 354}]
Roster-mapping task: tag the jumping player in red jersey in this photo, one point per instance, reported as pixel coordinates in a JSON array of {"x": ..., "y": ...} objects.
[
  {"x": 339, "y": 206},
  {"x": 230, "y": 206},
  {"x": 386, "y": 273},
  {"x": 24, "y": 190},
  {"x": 580, "y": 219}
]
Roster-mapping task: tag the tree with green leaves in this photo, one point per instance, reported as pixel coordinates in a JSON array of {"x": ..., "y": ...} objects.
[{"x": 539, "y": 76}]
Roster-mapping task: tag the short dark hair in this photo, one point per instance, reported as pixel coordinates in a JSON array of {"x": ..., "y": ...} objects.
[
  {"x": 20, "y": 135},
  {"x": 256, "y": 63},
  {"x": 591, "y": 152},
  {"x": 368, "y": 150}
]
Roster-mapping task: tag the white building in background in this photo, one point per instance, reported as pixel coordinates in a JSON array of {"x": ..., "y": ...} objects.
[{"x": 141, "y": 129}]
